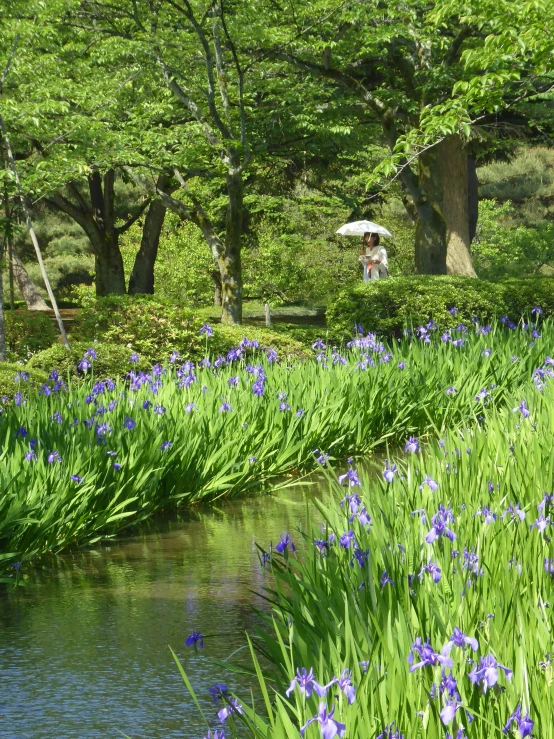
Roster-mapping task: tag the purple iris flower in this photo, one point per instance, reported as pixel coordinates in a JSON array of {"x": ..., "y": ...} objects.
[
  {"x": 412, "y": 445},
  {"x": 390, "y": 471},
  {"x": 206, "y": 329},
  {"x": 449, "y": 685},
  {"x": 284, "y": 406},
  {"x": 487, "y": 672},
  {"x": 271, "y": 355},
  {"x": 459, "y": 639},
  {"x": 536, "y": 311},
  {"x": 440, "y": 528},
  {"x": 54, "y": 457},
  {"x": 191, "y": 407},
  {"x": 323, "y": 458},
  {"x": 195, "y": 639},
  {"x": 451, "y": 390},
  {"x": 449, "y": 711},
  {"x": 284, "y": 544},
  {"x": 348, "y": 539},
  {"x": 487, "y": 514},
  {"x": 31, "y": 456},
  {"x": 522, "y": 408},
  {"x": 401, "y": 365},
  {"x": 524, "y": 723},
  {"x": 329, "y": 727},
  {"x": 216, "y": 735},
  {"x": 159, "y": 409},
  {"x": 217, "y": 692},
  {"x": 361, "y": 556},
  {"x": 306, "y": 684},
  {"x": 385, "y": 580},
  {"x": 225, "y": 407},
  {"x": 541, "y": 523},
  {"x": 515, "y": 512},
  {"x": 549, "y": 566},
  {"x": 433, "y": 569},
  {"x": 482, "y": 396},
  {"x": 352, "y": 477},
  {"x": 129, "y": 423},
  {"x": 453, "y": 311},
  {"x": 344, "y": 682},
  {"x": 232, "y": 707},
  {"x": 390, "y": 732},
  {"x": 431, "y": 484},
  {"x": 354, "y": 502},
  {"x": 548, "y": 500},
  {"x": 319, "y": 344},
  {"x": 21, "y": 431},
  {"x": 166, "y": 445},
  {"x": 76, "y": 478},
  {"x": 427, "y": 655},
  {"x": 300, "y": 412}
]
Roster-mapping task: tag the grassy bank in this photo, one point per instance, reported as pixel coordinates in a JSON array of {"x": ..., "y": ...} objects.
[
  {"x": 81, "y": 463},
  {"x": 421, "y": 600}
]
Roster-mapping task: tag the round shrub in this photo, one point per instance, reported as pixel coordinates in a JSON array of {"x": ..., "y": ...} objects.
[
  {"x": 142, "y": 323},
  {"x": 28, "y": 332},
  {"x": 387, "y": 306},
  {"x": 226, "y": 337},
  {"x": 112, "y": 360},
  {"x": 522, "y": 295},
  {"x": 9, "y": 385}
]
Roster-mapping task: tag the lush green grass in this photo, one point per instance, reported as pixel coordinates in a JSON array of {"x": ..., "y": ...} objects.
[
  {"x": 334, "y": 610},
  {"x": 350, "y": 405}
]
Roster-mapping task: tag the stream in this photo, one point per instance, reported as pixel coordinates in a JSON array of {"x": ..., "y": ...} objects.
[{"x": 84, "y": 645}]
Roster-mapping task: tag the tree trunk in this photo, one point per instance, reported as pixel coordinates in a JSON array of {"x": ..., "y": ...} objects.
[
  {"x": 142, "y": 276},
  {"x": 443, "y": 217},
  {"x": 108, "y": 264},
  {"x": 430, "y": 232},
  {"x": 455, "y": 206},
  {"x": 29, "y": 291},
  {"x": 216, "y": 277},
  {"x": 230, "y": 261}
]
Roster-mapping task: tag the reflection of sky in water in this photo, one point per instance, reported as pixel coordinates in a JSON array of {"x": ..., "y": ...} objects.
[{"x": 84, "y": 650}]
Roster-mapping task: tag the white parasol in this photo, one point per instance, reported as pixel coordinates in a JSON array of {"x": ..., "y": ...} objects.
[{"x": 359, "y": 228}]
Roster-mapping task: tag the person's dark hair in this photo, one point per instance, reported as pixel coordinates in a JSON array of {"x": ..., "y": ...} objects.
[{"x": 377, "y": 239}]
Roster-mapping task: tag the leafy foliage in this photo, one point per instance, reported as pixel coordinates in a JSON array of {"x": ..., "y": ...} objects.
[
  {"x": 28, "y": 332},
  {"x": 386, "y": 306}
]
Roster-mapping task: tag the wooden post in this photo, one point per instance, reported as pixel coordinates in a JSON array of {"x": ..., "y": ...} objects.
[{"x": 267, "y": 315}]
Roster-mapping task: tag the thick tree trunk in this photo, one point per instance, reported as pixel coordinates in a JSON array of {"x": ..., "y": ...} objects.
[
  {"x": 142, "y": 276},
  {"x": 108, "y": 263},
  {"x": 430, "y": 232},
  {"x": 230, "y": 261},
  {"x": 455, "y": 206},
  {"x": 29, "y": 291},
  {"x": 443, "y": 216}
]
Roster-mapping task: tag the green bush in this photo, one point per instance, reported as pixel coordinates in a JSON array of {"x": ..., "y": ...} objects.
[
  {"x": 28, "y": 332},
  {"x": 386, "y": 306},
  {"x": 143, "y": 324},
  {"x": 523, "y": 294},
  {"x": 9, "y": 386},
  {"x": 112, "y": 360},
  {"x": 225, "y": 338}
]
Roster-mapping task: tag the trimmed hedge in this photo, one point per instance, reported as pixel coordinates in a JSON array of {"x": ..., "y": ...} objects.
[
  {"x": 387, "y": 306},
  {"x": 112, "y": 360},
  {"x": 9, "y": 386}
]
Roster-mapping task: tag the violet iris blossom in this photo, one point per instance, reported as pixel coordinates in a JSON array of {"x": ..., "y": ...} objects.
[
  {"x": 389, "y": 471},
  {"x": 330, "y": 728},
  {"x": 195, "y": 639},
  {"x": 232, "y": 707},
  {"x": 284, "y": 544},
  {"x": 428, "y": 657},
  {"x": 412, "y": 445},
  {"x": 307, "y": 684},
  {"x": 459, "y": 639},
  {"x": 486, "y": 672},
  {"x": 440, "y": 528},
  {"x": 524, "y": 723}
]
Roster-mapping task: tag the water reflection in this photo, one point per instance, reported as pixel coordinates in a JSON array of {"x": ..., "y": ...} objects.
[{"x": 84, "y": 649}]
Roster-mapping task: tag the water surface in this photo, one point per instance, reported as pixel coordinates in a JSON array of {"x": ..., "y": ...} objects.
[{"x": 84, "y": 647}]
